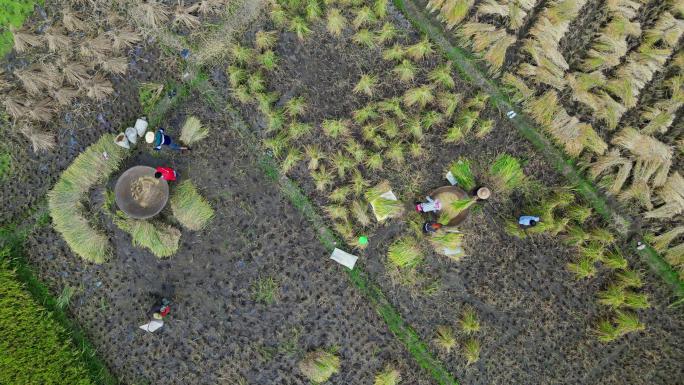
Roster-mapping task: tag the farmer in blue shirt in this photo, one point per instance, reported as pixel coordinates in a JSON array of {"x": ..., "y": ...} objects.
[
  {"x": 527, "y": 221},
  {"x": 161, "y": 139}
]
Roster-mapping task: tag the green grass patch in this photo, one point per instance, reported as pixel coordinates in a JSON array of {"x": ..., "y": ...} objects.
[
  {"x": 13, "y": 13},
  {"x": 5, "y": 165},
  {"x": 149, "y": 95},
  {"x": 91, "y": 167},
  {"x": 265, "y": 290},
  {"x": 190, "y": 208}
]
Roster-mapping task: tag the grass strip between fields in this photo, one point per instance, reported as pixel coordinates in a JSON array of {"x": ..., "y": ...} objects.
[
  {"x": 469, "y": 68},
  {"x": 53, "y": 334}
]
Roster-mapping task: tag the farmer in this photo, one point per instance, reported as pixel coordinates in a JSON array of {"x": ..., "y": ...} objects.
[
  {"x": 431, "y": 227},
  {"x": 430, "y": 206},
  {"x": 160, "y": 311},
  {"x": 527, "y": 221},
  {"x": 161, "y": 139},
  {"x": 166, "y": 173}
]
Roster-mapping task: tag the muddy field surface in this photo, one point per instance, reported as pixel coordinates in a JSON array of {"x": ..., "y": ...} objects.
[
  {"x": 536, "y": 317},
  {"x": 33, "y": 174},
  {"x": 216, "y": 331}
]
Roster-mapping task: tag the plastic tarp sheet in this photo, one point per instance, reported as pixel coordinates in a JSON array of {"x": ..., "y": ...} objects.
[
  {"x": 344, "y": 258},
  {"x": 152, "y": 326}
]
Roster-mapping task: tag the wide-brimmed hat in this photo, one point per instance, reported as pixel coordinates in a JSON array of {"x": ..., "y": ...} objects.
[{"x": 149, "y": 137}]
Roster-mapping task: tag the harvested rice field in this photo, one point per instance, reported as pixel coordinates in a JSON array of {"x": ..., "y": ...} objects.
[{"x": 498, "y": 183}]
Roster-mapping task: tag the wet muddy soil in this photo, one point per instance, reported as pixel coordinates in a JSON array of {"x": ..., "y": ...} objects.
[
  {"x": 216, "y": 331},
  {"x": 536, "y": 317}
]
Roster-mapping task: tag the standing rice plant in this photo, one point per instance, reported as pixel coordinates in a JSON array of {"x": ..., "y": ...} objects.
[
  {"x": 606, "y": 331},
  {"x": 364, "y": 17},
  {"x": 386, "y": 34},
  {"x": 318, "y": 366},
  {"x": 335, "y": 128},
  {"x": 365, "y": 38},
  {"x": 420, "y": 50},
  {"x": 389, "y": 376},
  {"x": 300, "y": 27},
  {"x": 463, "y": 174},
  {"x": 406, "y": 71},
  {"x": 442, "y": 76},
  {"x": 420, "y": 96},
  {"x": 265, "y": 40},
  {"x": 190, "y": 208},
  {"x": 471, "y": 351},
  {"x": 469, "y": 322},
  {"x": 484, "y": 127},
  {"x": 396, "y": 52},
  {"x": 506, "y": 173},
  {"x": 193, "y": 131},
  {"x": 628, "y": 323},
  {"x": 584, "y": 268},
  {"x": 614, "y": 260},
  {"x": 336, "y": 22},
  {"x": 366, "y": 85},
  {"x": 444, "y": 338},
  {"x": 629, "y": 278},
  {"x": 405, "y": 253}
]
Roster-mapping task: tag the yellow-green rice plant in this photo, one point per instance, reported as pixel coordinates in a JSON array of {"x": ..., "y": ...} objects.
[
  {"x": 512, "y": 228},
  {"x": 544, "y": 108},
  {"x": 662, "y": 241},
  {"x": 446, "y": 240},
  {"x": 629, "y": 278},
  {"x": 463, "y": 174},
  {"x": 471, "y": 351},
  {"x": 190, "y": 208},
  {"x": 593, "y": 250},
  {"x": 364, "y": 17},
  {"x": 193, "y": 131},
  {"x": 300, "y": 27},
  {"x": 241, "y": 55},
  {"x": 380, "y": 8},
  {"x": 462, "y": 126},
  {"x": 583, "y": 268},
  {"x": 236, "y": 75},
  {"x": 342, "y": 163},
  {"x": 277, "y": 144},
  {"x": 575, "y": 236},
  {"x": 266, "y": 40},
  {"x": 313, "y": 10},
  {"x": 444, "y": 338},
  {"x": 578, "y": 213},
  {"x": 322, "y": 178},
  {"x": 395, "y": 152},
  {"x": 336, "y": 212},
  {"x": 364, "y": 114},
  {"x": 162, "y": 240},
  {"x": 636, "y": 300},
  {"x": 506, "y": 173},
  {"x": 366, "y": 85},
  {"x": 451, "y": 12},
  {"x": 242, "y": 94},
  {"x": 393, "y": 106},
  {"x": 297, "y": 130},
  {"x": 602, "y": 236},
  {"x": 613, "y": 296},
  {"x": 390, "y": 128},
  {"x": 256, "y": 83},
  {"x": 430, "y": 118},
  {"x": 405, "y": 253},
  {"x": 484, "y": 127},
  {"x": 356, "y": 150},
  {"x": 365, "y": 38},
  {"x": 386, "y": 34},
  {"x": 278, "y": 14},
  {"x": 266, "y": 102},
  {"x": 614, "y": 260},
  {"x": 448, "y": 102},
  {"x": 477, "y": 102},
  {"x": 335, "y": 128},
  {"x": 374, "y": 161},
  {"x": 318, "y": 366},
  {"x": 416, "y": 150},
  {"x": 295, "y": 107},
  {"x": 406, "y": 71},
  {"x": 336, "y": 22},
  {"x": 340, "y": 194},
  {"x": 360, "y": 213},
  {"x": 268, "y": 60},
  {"x": 294, "y": 156},
  {"x": 628, "y": 323},
  {"x": 414, "y": 127},
  {"x": 606, "y": 331},
  {"x": 389, "y": 376},
  {"x": 396, "y": 52},
  {"x": 359, "y": 184},
  {"x": 420, "y": 50},
  {"x": 516, "y": 87},
  {"x": 469, "y": 322},
  {"x": 441, "y": 76},
  {"x": 420, "y": 96}
]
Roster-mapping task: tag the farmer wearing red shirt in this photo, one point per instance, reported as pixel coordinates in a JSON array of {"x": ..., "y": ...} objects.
[{"x": 167, "y": 173}]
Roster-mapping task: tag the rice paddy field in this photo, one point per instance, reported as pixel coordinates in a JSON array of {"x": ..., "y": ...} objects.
[{"x": 301, "y": 116}]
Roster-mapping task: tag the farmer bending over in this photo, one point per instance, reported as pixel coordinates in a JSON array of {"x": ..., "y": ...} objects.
[
  {"x": 161, "y": 139},
  {"x": 527, "y": 221},
  {"x": 166, "y": 173}
]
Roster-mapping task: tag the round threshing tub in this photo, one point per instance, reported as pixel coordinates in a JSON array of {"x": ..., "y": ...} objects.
[{"x": 139, "y": 194}]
